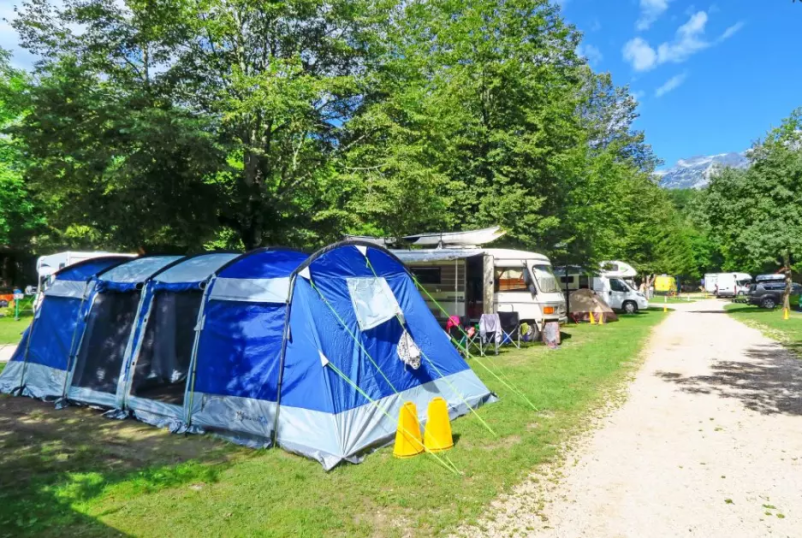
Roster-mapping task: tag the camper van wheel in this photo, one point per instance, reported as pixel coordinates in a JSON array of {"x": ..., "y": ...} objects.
[
  {"x": 630, "y": 307},
  {"x": 768, "y": 303}
]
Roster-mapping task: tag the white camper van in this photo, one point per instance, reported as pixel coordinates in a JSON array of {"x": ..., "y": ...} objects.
[
  {"x": 732, "y": 284},
  {"x": 614, "y": 284},
  {"x": 727, "y": 284},
  {"x": 469, "y": 280}
]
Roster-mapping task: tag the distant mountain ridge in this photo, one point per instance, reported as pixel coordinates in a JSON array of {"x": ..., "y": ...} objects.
[{"x": 695, "y": 173}]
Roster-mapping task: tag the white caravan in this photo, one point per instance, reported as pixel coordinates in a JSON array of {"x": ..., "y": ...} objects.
[
  {"x": 47, "y": 265},
  {"x": 614, "y": 284},
  {"x": 466, "y": 279}
]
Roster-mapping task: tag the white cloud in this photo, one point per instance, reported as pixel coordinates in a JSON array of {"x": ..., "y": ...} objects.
[
  {"x": 591, "y": 53},
  {"x": 650, "y": 11},
  {"x": 671, "y": 84},
  {"x": 689, "y": 39},
  {"x": 731, "y": 31},
  {"x": 638, "y": 52}
]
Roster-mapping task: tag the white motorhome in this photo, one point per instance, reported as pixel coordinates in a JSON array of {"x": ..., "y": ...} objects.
[
  {"x": 466, "y": 279},
  {"x": 614, "y": 283}
]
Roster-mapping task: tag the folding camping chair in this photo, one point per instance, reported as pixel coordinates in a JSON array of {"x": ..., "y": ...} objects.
[
  {"x": 510, "y": 328},
  {"x": 471, "y": 336}
]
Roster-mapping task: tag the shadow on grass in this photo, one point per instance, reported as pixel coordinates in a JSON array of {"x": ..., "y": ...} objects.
[
  {"x": 53, "y": 461},
  {"x": 769, "y": 383}
]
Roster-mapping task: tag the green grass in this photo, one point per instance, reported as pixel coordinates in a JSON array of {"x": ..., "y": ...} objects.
[
  {"x": 11, "y": 329},
  {"x": 102, "y": 481},
  {"x": 771, "y": 324}
]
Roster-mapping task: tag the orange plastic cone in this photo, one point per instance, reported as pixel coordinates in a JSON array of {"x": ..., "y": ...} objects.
[
  {"x": 408, "y": 442},
  {"x": 437, "y": 436}
]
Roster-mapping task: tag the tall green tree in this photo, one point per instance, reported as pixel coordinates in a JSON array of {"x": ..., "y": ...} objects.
[
  {"x": 756, "y": 213},
  {"x": 207, "y": 115},
  {"x": 19, "y": 215},
  {"x": 480, "y": 113}
]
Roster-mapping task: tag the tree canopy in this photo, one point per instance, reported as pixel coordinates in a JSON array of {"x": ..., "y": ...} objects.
[
  {"x": 755, "y": 214},
  {"x": 184, "y": 125}
]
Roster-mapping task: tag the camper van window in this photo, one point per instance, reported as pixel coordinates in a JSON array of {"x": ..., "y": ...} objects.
[
  {"x": 510, "y": 279},
  {"x": 618, "y": 285},
  {"x": 584, "y": 282},
  {"x": 427, "y": 275},
  {"x": 546, "y": 280}
]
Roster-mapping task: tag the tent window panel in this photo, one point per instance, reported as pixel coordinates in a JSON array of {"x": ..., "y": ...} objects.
[
  {"x": 108, "y": 328},
  {"x": 162, "y": 367},
  {"x": 373, "y": 301}
]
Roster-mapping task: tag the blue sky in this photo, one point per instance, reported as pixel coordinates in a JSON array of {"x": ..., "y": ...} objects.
[{"x": 711, "y": 77}]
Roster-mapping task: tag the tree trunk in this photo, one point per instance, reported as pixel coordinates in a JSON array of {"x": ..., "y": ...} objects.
[
  {"x": 788, "y": 282},
  {"x": 648, "y": 280}
]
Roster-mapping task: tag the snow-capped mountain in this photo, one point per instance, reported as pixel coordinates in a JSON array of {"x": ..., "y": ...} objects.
[{"x": 694, "y": 173}]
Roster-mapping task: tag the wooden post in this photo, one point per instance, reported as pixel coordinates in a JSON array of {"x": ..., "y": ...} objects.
[{"x": 488, "y": 278}]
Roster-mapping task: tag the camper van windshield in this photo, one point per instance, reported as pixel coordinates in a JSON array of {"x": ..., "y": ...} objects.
[{"x": 546, "y": 280}]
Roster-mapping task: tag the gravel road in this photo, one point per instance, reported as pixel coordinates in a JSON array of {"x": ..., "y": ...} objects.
[{"x": 707, "y": 444}]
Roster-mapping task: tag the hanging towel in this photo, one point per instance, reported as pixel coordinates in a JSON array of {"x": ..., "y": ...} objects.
[{"x": 490, "y": 327}]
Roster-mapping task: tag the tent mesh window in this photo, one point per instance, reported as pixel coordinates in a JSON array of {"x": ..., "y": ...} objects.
[
  {"x": 163, "y": 364},
  {"x": 108, "y": 327}
]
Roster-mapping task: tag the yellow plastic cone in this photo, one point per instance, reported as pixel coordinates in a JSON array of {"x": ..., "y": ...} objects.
[
  {"x": 437, "y": 436},
  {"x": 592, "y": 319},
  {"x": 601, "y": 318},
  {"x": 665, "y": 303},
  {"x": 786, "y": 315},
  {"x": 408, "y": 442}
]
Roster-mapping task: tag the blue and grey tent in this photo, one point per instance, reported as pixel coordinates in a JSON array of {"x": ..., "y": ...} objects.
[
  {"x": 39, "y": 366},
  {"x": 317, "y": 354},
  {"x": 105, "y": 336}
]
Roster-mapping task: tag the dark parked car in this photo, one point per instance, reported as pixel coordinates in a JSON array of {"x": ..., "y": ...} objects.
[{"x": 770, "y": 294}]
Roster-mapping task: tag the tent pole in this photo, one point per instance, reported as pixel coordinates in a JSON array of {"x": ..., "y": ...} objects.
[
  {"x": 456, "y": 287},
  {"x": 76, "y": 346},
  {"x": 189, "y": 391},
  {"x": 72, "y": 352},
  {"x": 285, "y": 336}
]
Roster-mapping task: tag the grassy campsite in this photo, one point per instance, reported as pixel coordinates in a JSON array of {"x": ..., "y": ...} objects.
[
  {"x": 465, "y": 268},
  {"x": 79, "y": 473}
]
